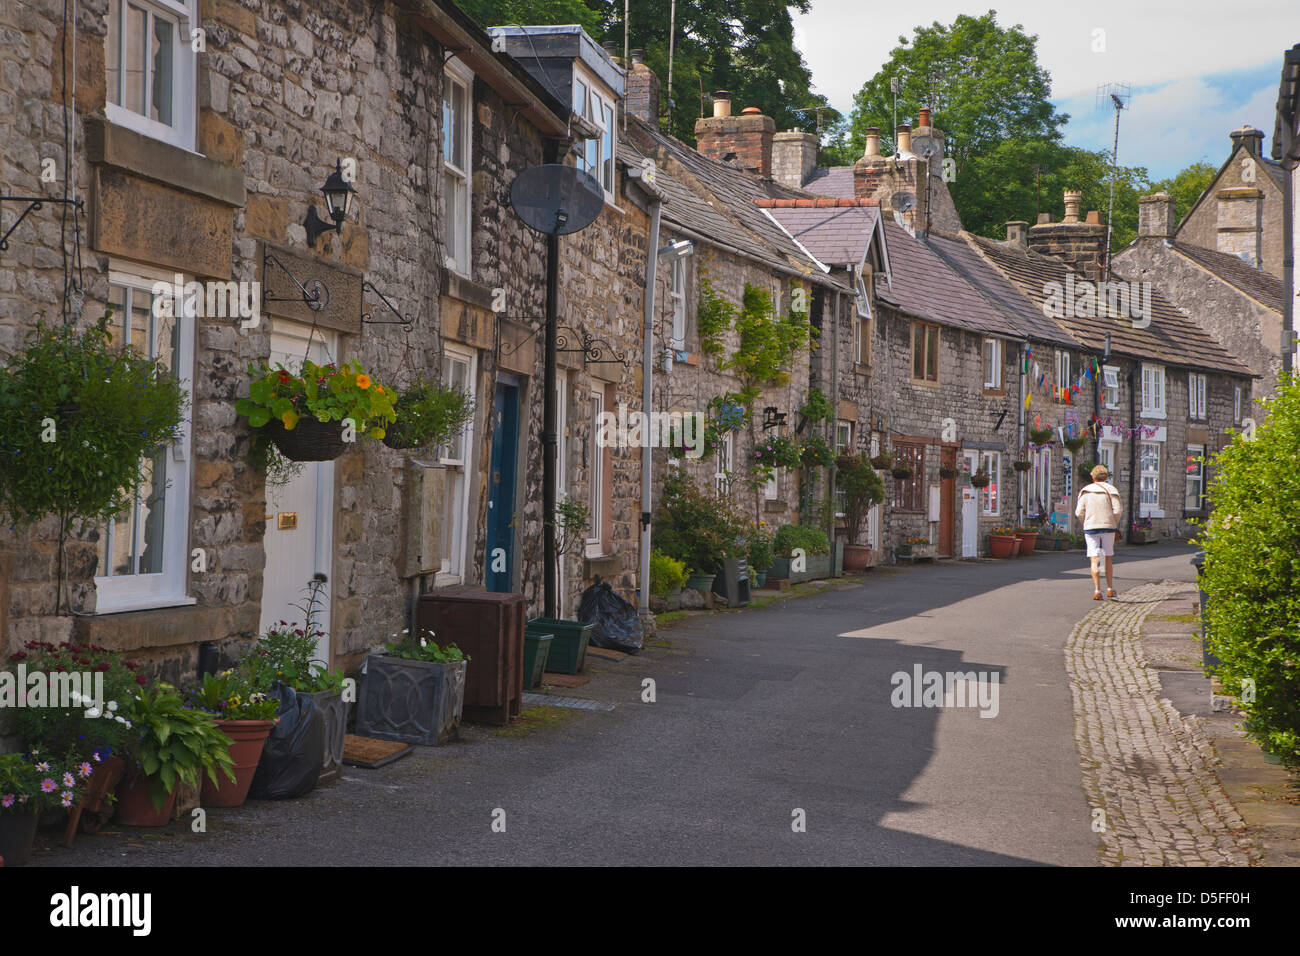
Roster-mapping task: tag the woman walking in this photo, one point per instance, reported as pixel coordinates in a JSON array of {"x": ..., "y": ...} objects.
[{"x": 1100, "y": 508}]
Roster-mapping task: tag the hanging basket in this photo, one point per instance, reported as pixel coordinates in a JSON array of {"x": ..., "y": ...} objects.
[
  {"x": 1022, "y": 465},
  {"x": 947, "y": 473},
  {"x": 1040, "y": 436},
  {"x": 310, "y": 440},
  {"x": 881, "y": 462},
  {"x": 902, "y": 474},
  {"x": 980, "y": 479},
  {"x": 1074, "y": 444}
]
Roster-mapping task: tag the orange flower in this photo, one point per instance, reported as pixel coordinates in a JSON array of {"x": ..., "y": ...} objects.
[
  {"x": 379, "y": 389},
  {"x": 363, "y": 382}
]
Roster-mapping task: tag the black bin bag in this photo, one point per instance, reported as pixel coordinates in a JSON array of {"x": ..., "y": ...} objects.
[
  {"x": 618, "y": 626},
  {"x": 294, "y": 753}
]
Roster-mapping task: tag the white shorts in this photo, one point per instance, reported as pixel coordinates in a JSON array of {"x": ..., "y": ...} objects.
[{"x": 1102, "y": 544}]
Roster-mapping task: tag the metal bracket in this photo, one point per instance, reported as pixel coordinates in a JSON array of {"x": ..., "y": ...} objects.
[
  {"x": 315, "y": 293},
  {"x": 405, "y": 321},
  {"x": 591, "y": 347},
  {"x": 33, "y": 202}
]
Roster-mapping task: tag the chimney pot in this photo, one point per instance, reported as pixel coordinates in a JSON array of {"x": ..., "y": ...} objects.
[
  {"x": 925, "y": 117},
  {"x": 873, "y": 143},
  {"x": 1248, "y": 138},
  {"x": 1094, "y": 217},
  {"x": 751, "y": 111},
  {"x": 1073, "y": 199},
  {"x": 1044, "y": 218},
  {"x": 721, "y": 103},
  {"x": 638, "y": 56},
  {"x": 904, "y": 141}
]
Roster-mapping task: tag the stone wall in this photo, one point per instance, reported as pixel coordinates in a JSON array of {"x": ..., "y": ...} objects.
[{"x": 1241, "y": 211}]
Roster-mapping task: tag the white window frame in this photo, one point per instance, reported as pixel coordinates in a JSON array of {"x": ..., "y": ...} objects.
[
  {"x": 677, "y": 299},
  {"x": 1197, "y": 477},
  {"x": 167, "y": 588},
  {"x": 1236, "y": 405},
  {"x": 1038, "y": 484},
  {"x": 1110, "y": 386},
  {"x": 1153, "y": 387},
  {"x": 772, "y": 487},
  {"x": 843, "y": 445},
  {"x": 991, "y": 494},
  {"x": 182, "y": 132},
  {"x": 460, "y": 474},
  {"x": 595, "y": 477},
  {"x": 458, "y": 200},
  {"x": 1197, "y": 390},
  {"x": 1149, "y": 494},
  {"x": 599, "y": 108},
  {"x": 863, "y": 301},
  {"x": 1062, "y": 374},
  {"x": 722, "y": 473},
  {"x": 993, "y": 364},
  {"x": 1107, "y": 453}
]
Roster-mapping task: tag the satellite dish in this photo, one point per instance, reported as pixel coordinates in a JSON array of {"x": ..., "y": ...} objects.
[
  {"x": 925, "y": 146},
  {"x": 903, "y": 202},
  {"x": 555, "y": 199}
]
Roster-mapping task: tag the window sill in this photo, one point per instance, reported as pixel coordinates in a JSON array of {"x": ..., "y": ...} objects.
[
  {"x": 862, "y": 368},
  {"x": 1148, "y": 413},
  {"x": 1151, "y": 513},
  {"x": 996, "y": 392},
  {"x": 109, "y": 144},
  {"x": 145, "y": 604},
  {"x": 924, "y": 383}
]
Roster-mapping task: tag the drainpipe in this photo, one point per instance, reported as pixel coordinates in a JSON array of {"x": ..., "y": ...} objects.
[
  {"x": 647, "y": 398},
  {"x": 1134, "y": 382},
  {"x": 835, "y": 404},
  {"x": 550, "y": 565},
  {"x": 1020, "y": 429}
]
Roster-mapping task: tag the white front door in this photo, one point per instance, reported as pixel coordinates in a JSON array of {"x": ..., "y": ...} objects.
[
  {"x": 970, "y": 508},
  {"x": 300, "y": 513}
]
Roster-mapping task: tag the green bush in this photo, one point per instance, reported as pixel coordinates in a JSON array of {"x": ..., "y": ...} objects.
[
  {"x": 1252, "y": 573},
  {"x": 863, "y": 490},
  {"x": 760, "y": 550},
  {"x": 790, "y": 536},
  {"x": 695, "y": 527},
  {"x": 428, "y": 415},
  {"x": 666, "y": 574}
]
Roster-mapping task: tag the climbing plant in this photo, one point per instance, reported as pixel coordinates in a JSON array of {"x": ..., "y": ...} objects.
[{"x": 713, "y": 316}]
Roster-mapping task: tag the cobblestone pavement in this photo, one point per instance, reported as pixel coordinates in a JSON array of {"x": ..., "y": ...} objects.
[{"x": 1149, "y": 768}]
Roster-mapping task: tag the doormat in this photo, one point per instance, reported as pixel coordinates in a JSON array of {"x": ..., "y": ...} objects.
[
  {"x": 576, "y": 703},
  {"x": 605, "y": 652},
  {"x": 371, "y": 753},
  {"x": 564, "y": 680}
]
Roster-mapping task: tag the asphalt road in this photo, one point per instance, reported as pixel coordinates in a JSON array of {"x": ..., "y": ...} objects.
[{"x": 757, "y": 714}]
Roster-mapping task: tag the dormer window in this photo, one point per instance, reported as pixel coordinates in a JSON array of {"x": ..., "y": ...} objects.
[{"x": 595, "y": 155}]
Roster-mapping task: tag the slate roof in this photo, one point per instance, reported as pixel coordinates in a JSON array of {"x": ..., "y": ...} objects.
[
  {"x": 831, "y": 181},
  {"x": 1171, "y": 338},
  {"x": 924, "y": 286},
  {"x": 718, "y": 201},
  {"x": 837, "y": 235},
  {"x": 1256, "y": 283},
  {"x": 1010, "y": 302}
]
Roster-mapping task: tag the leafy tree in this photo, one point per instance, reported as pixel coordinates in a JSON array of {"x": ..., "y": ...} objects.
[
  {"x": 983, "y": 81},
  {"x": 497, "y": 13}
]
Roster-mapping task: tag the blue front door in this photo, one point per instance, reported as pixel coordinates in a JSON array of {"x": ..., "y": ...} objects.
[{"x": 501, "y": 490}]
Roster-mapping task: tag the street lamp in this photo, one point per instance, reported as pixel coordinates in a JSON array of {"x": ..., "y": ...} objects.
[{"x": 338, "y": 203}]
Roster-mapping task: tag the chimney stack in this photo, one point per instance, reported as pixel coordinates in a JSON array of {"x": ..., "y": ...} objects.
[
  {"x": 794, "y": 157},
  {"x": 641, "y": 90},
  {"x": 1247, "y": 138},
  {"x": 1018, "y": 233},
  {"x": 1080, "y": 244},
  {"x": 744, "y": 141},
  {"x": 1156, "y": 216}
]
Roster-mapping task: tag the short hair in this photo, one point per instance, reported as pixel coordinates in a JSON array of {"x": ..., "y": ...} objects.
[{"x": 1100, "y": 473}]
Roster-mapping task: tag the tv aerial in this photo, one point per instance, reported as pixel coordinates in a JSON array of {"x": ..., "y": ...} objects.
[{"x": 555, "y": 199}]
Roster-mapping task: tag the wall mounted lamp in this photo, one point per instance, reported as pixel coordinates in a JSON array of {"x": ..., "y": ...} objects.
[{"x": 338, "y": 202}]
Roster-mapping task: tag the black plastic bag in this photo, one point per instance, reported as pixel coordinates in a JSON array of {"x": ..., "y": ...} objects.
[
  {"x": 294, "y": 753},
  {"x": 618, "y": 625}
]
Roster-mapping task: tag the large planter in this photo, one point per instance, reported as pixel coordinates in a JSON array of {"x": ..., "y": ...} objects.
[
  {"x": 134, "y": 806},
  {"x": 568, "y": 645},
  {"x": 335, "y": 711},
  {"x": 415, "y": 702},
  {"x": 857, "y": 557},
  {"x": 700, "y": 582},
  {"x": 248, "y": 738},
  {"x": 1028, "y": 541},
  {"x": 17, "y": 834},
  {"x": 760, "y": 581},
  {"x": 537, "y": 648},
  {"x": 817, "y": 566},
  {"x": 310, "y": 440},
  {"x": 1003, "y": 545}
]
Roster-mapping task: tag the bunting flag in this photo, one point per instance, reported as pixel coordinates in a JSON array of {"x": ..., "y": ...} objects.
[
  {"x": 1038, "y": 424},
  {"x": 1026, "y": 399}
]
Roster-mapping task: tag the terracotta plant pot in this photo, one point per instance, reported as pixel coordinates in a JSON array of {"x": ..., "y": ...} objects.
[
  {"x": 1003, "y": 545},
  {"x": 17, "y": 834},
  {"x": 134, "y": 806},
  {"x": 248, "y": 736},
  {"x": 857, "y": 557},
  {"x": 1028, "y": 540}
]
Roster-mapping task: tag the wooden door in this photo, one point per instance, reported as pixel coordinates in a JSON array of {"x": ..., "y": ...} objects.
[{"x": 947, "y": 493}]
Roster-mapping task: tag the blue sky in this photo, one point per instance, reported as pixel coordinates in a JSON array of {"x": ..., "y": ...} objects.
[{"x": 1191, "y": 82}]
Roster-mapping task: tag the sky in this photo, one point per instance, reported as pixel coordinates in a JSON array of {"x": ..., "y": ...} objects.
[{"x": 1194, "y": 74}]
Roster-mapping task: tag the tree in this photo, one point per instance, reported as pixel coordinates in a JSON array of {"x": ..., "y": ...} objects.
[
  {"x": 983, "y": 82},
  {"x": 499, "y": 13}
]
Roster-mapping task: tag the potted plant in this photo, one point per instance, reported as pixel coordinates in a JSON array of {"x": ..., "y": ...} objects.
[
  {"x": 760, "y": 554},
  {"x": 882, "y": 462},
  {"x": 1028, "y": 536},
  {"x": 696, "y": 528},
  {"x": 863, "y": 490},
  {"x": 667, "y": 576},
  {"x": 170, "y": 744},
  {"x": 1022, "y": 464},
  {"x": 1003, "y": 543},
  {"x": 414, "y": 691},
  {"x": 980, "y": 479},
  {"x": 1040, "y": 436},
  {"x": 246, "y": 715},
  {"x": 901, "y": 472},
  {"x": 79, "y": 418},
  {"x": 285, "y": 654},
  {"x": 30, "y": 784},
  {"x": 568, "y": 648},
  {"x": 310, "y": 415},
  {"x": 916, "y": 547},
  {"x": 817, "y": 453},
  {"x": 428, "y": 415},
  {"x": 947, "y": 472},
  {"x": 1143, "y": 532},
  {"x": 816, "y": 557}
]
